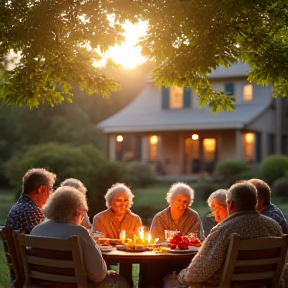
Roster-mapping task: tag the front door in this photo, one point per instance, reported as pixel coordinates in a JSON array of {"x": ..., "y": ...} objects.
[{"x": 200, "y": 155}]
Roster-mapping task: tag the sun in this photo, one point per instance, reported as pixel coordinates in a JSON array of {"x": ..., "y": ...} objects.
[{"x": 127, "y": 54}]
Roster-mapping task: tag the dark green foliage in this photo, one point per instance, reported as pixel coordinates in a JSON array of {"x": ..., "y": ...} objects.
[
  {"x": 246, "y": 175},
  {"x": 228, "y": 169},
  {"x": 138, "y": 174},
  {"x": 280, "y": 187},
  {"x": 85, "y": 163},
  {"x": 203, "y": 189},
  {"x": 273, "y": 167}
]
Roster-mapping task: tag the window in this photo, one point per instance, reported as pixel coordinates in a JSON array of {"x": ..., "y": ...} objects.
[
  {"x": 153, "y": 143},
  {"x": 176, "y": 97},
  {"x": 247, "y": 92},
  {"x": 209, "y": 148},
  {"x": 248, "y": 146}
]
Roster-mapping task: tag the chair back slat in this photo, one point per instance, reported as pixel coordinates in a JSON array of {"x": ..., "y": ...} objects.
[
  {"x": 13, "y": 257},
  {"x": 257, "y": 261},
  {"x": 51, "y": 260}
]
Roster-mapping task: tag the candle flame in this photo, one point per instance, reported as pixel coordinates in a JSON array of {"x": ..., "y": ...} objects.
[
  {"x": 141, "y": 233},
  {"x": 156, "y": 240},
  {"x": 149, "y": 238}
]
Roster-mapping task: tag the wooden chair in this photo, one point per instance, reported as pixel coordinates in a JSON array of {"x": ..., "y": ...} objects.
[
  {"x": 52, "y": 262},
  {"x": 13, "y": 257},
  {"x": 256, "y": 262}
]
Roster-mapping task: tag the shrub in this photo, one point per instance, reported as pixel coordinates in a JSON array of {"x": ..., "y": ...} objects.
[
  {"x": 273, "y": 167},
  {"x": 246, "y": 175},
  {"x": 280, "y": 187},
  {"x": 85, "y": 163},
  {"x": 203, "y": 189},
  {"x": 228, "y": 169},
  {"x": 138, "y": 174}
]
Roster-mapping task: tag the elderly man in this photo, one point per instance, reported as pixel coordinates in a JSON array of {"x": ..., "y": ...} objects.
[
  {"x": 264, "y": 205},
  {"x": 206, "y": 267},
  {"x": 27, "y": 211}
]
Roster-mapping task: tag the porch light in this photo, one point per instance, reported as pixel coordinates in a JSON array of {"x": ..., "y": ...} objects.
[
  {"x": 195, "y": 137},
  {"x": 119, "y": 138},
  {"x": 154, "y": 139}
]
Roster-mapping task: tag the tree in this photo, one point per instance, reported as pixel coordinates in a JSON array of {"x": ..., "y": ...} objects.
[
  {"x": 186, "y": 39},
  {"x": 189, "y": 38},
  {"x": 52, "y": 37}
]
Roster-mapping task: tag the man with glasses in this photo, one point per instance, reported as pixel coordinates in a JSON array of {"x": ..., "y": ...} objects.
[{"x": 37, "y": 184}]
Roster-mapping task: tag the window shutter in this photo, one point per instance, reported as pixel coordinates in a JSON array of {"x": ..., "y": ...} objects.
[
  {"x": 187, "y": 97},
  {"x": 258, "y": 146},
  {"x": 229, "y": 89},
  {"x": 165, "y": 98}
]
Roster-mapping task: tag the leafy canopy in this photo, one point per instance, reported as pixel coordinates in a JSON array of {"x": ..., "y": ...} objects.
[
  {"x": 52, "y": 37},
  {"x": 189, "y": 38},
  {"x": 186, "y": 39}
]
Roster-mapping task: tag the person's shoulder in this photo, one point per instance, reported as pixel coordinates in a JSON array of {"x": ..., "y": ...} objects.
[
  {"x": 102, "y": 214},
  {"x": 134, "y": 215},
  {"x": 191, "y": 211},
  {"x": 161, "y": 213}
]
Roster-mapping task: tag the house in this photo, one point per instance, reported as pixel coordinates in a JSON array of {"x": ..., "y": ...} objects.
[{"x": 168, "y": 129}]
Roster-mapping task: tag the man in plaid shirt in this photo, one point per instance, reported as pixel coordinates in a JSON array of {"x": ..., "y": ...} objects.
[{"x": 27, "y": 211}]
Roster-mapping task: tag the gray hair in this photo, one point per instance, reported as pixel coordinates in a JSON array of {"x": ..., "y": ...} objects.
[
  {"x": 244, "y": 195},
  {"x": 116, "y": 189},
  {"x": 180, "y": 188},
  {"x": 218, "y": 195},
  {"x": 72, "y": 182},
  {"x": 64, "y": 204}
]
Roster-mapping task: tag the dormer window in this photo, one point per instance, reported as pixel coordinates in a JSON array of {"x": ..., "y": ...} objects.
[
  {"x": 176, "y": 97},
  {"x": 247, "y": 92}
]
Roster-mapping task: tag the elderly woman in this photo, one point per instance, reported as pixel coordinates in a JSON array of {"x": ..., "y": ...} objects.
[
  {"x": 81, "y": 188},
  {"x": 65, "y": 210},
  {"x": 118, "y": 216},
  {"x": 217, "y": 204},
  {"x": 177, "y": 216}
]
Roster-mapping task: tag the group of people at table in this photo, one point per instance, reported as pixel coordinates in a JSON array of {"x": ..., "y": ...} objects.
[{"x": 244, "y": 209}]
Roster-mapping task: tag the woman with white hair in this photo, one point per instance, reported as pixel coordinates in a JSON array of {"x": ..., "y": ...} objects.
[
  {"x": 217, "y": 204},
  {"x": 72, "y": 182},
  {"x": 118, "y": 216},
  {"x": 178, "y": 216}
]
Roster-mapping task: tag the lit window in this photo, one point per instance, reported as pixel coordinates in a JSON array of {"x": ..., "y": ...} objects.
[
  {"x": 176, "y": 97},
  {"x": 248, "y": 147},
  {"x": 153, "y": 148},
  {"x": 209, "y": 146},
  {"x": 247, "y": 92}
]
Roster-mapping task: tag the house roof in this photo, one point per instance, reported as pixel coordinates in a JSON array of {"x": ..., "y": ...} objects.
[
  {"x": 235, "y": 70},
  {"x": 145, "y": 113}
]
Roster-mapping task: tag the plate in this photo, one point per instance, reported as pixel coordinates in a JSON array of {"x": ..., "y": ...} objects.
[
  {"x": 106, "y": 248},
  {"x": 189, "y": 250}
]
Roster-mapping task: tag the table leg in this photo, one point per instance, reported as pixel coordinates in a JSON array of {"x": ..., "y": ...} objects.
[{"x": 126, "y": 271}]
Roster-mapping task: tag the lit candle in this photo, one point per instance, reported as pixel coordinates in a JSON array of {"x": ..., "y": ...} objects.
[
  {"x": 123, "y": 235},
  {"x": 149, "y": 238},
  {"x": 141, "y": 233}
]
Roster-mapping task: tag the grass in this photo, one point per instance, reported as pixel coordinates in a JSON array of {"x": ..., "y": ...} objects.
[{"x": 7, "y": 199}]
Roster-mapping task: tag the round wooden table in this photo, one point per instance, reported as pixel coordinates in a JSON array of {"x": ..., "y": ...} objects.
[{"x": 153, "y": 266}]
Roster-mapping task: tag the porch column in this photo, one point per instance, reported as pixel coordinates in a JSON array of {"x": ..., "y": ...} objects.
[
  {"x": 181, "y": 154},
  {"x": 265, "y": 148},
  {"x": 238, "y": 144},
  {"x": 112, "y": 148},
  {"x": 144, "y": 149},
  {"x": 278, "y": 132}
]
